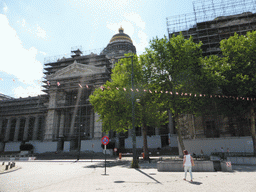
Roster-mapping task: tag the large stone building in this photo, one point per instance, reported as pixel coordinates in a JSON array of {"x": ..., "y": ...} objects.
[
  {"x": 210, "y": 23},
  {"x": 57, "y": 120}
]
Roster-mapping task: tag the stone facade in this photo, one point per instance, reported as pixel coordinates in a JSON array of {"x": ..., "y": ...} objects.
[{"x": 64, "y": 113}]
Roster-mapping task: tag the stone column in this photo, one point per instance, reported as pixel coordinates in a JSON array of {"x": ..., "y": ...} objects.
[
  {"x": 35, "y": 130},
  {"x": 25, "y": 135},
  {"x": 97, "y": 127},
  {"x": 129, "y": 132},
  {"x": 51, "y": 117},
  {"x": 157, "y": 131},
  {"x": 1, "y": 124},
  {"x": 17, "y": 128},
  {"x": 8, "y": 128},
  {"x": 62, "y": 122},
  {"x": 91, "y": 125},
  {"x": 72, "y": 125},
  {"x": 170, "y": 126}
]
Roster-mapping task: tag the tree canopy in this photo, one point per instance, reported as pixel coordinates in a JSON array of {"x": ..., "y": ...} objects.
[
  {"x": 237, "y": 71},
  {"x": 114, "y": 103}
]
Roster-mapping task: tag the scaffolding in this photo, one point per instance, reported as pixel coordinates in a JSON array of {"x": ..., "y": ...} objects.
[
  {"x": 214, "y": 20},
  {"x": 64, "y": 57}
]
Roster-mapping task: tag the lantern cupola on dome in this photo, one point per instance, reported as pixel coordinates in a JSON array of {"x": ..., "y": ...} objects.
[{"x": 119, "y": 45}]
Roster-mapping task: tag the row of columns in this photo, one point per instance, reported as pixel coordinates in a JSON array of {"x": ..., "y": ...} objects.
[
  {"x": 17, "y": 128},
  {"x": 56, "y": 125}
]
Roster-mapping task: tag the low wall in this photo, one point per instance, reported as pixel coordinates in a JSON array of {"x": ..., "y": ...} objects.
[
  {"x": 210, "y": 145},
  {"x": 153, "y": 142},
  {"x": 66, "y": 147},
  {"x": 177, "y": 166},
  {"x": 242, "y": 160},
  {"x": 39, "y": 147},
  {"x": 12, "y": 146},
  {"x": 42, "y": 147},
  {"x": 91, "y": 145},
  {"x": 173, "y": 140},
  {"x": 86, "y": 145}
]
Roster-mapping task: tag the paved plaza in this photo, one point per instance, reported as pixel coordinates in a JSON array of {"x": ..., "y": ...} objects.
[{"x": 68, "y": 175}]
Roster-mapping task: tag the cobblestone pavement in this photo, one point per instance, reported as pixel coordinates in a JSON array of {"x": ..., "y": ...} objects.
[{"x": 68, "y": 175}]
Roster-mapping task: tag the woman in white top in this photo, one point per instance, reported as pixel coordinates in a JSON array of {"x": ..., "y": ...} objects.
[{"x": 188, "y": 162}]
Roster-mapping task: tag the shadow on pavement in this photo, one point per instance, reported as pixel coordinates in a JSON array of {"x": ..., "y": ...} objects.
[
  {"x": 148, "y": 176},
  {"x": 123, "y": 163},
  {"x": 196, "y": 183},
  {"x": 110, "y": 164}
]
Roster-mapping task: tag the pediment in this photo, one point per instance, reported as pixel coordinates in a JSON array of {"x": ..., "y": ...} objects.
[{"x": 76, "y": 70}]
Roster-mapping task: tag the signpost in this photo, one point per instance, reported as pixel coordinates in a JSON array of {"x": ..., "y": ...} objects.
[{"x": 105, "y": 141}]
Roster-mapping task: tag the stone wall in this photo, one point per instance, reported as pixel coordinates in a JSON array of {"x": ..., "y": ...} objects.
[{"x": 210, "y": 145}]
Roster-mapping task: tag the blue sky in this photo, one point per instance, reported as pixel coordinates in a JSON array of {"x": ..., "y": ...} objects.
[{"x": 32, "y": 30}]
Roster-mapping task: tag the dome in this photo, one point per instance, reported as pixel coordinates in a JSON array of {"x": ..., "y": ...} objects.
[
  {"x": 119, "y": 45},
  {"x": 121, "y": 36}
]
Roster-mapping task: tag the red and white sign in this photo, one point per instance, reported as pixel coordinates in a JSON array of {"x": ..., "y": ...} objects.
[
  {"x": 105, "y": 140},
  {"x": 115, "y": 149},
  {"x": 228, "y": 164}
]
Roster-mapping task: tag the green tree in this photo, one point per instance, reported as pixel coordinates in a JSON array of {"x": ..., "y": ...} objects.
[
  {"x": 238, "y": 70},
  {"x": 114, "y": 103},
  {"x": 175, "y": 66}
]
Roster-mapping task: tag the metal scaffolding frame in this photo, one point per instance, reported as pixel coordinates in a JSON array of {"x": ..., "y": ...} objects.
[{"x": 214, "y": 20}]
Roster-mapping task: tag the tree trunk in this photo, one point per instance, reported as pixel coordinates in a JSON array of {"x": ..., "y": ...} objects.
[
  {"x": 179, "y": 134},
  {"x": 145, "y": 142},
  {"x": 253, "y": 130}
]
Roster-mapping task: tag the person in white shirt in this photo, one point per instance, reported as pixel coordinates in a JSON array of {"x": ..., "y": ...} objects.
[{"x": 188, "y": 162}]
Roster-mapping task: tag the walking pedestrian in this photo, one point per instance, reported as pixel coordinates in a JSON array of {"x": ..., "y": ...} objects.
[{"x": 188, "y": 162}]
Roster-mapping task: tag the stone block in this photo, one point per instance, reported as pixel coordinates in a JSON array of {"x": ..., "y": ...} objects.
[
  {"x": 176, "y": 166},
  {"x": 242, "y": 160},
  {"x": 226, "y": 166}
]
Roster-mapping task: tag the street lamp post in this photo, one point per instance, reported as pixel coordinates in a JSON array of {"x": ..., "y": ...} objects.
[
  {"x": 79, "y": 129},
  {"x": 134, "y": 163}
]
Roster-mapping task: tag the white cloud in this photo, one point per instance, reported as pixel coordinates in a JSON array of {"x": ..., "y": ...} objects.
[
  {"x": 135, "y": 17},
  {"x": 42, "y": 52},
  {"x": 5, "y": 8},
  {"x": 127, "y": 26},
  {"x": 23, "y": 23},
  {"x": 29, "y": 91},
  {"x": 15, "y": 59},
  {"x": 40, "y": 32},
  {"x": 134, "y": 26},
  {"x": 37, "y": 31},
  {"x": 140, "y": 47}
]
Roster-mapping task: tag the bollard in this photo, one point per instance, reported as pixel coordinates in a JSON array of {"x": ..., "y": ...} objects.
[
  {"x": 143, "y": 155},
  {"x": 6, "y": 167},
  {"x": 120, "y": 155},
  {"x": 3, "y": 163}
]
